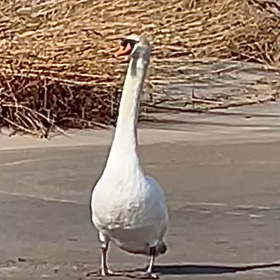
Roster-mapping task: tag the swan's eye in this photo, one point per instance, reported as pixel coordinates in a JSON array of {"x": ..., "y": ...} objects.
[{"x": 124, "y": 43}]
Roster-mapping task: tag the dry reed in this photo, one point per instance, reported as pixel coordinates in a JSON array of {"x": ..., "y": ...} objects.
[{"x": 56, "y": 55}]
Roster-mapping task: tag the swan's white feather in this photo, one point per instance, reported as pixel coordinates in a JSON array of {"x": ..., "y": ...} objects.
[{"x": 128, "y": 207}]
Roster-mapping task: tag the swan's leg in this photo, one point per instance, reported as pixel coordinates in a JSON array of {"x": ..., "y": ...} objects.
[
  {"x": 104, "y": 265},
  {"x": 148, "y": 274},
  {"x": 105, "y": 271},
  {"x": 151, "y": 265}
]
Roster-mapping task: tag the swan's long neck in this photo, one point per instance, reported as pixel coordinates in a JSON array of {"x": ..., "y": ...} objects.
[{"x": 125, "y": 140}]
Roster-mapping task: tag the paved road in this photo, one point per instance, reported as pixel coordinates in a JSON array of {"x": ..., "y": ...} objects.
[{"x": 223, "y": 195}]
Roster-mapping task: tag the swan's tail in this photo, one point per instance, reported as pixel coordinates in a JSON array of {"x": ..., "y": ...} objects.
[{"x": 161, "y": 248}]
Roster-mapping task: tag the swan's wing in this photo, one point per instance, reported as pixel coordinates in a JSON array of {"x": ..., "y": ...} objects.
[
  {"x": 159, "y": 209},
  {"x": 149, "y": 223},
  {"x": 139, "y": 207},
  {"x": 158, "y": 191}
]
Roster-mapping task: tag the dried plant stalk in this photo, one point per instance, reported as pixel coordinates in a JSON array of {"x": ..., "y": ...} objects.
[{"x": 56, "y": 59}]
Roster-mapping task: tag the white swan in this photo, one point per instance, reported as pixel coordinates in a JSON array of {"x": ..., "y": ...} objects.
[{"x": 128, "y": 207}]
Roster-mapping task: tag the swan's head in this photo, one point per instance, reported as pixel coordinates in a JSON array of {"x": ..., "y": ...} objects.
[{"x": 134, "y": 46}]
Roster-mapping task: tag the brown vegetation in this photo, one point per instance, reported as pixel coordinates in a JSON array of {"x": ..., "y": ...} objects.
[{"x": 56, "y": 64}]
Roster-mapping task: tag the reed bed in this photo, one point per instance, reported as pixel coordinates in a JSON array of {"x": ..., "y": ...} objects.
[{"x": 57, "y": 69}]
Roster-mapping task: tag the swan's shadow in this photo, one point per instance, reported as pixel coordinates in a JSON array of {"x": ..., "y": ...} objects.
[
  {"x": 186, "y": 269},
  {"x": 194, "y": 269}
]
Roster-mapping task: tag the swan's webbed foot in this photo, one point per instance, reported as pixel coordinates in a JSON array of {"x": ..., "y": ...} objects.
[
  {"x": 104, "y": 273},
  {"x": 109, "y": 273},
  {"x": 142, "y": 275}
]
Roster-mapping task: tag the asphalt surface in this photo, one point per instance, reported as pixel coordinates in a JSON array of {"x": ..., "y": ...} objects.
[{"x": 222, "y": 186}]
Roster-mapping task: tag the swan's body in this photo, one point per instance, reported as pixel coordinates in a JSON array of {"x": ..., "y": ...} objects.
[{"x": 128, "y": 207}]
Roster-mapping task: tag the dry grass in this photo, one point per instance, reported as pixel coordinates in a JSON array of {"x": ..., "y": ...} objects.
[{"x": 56, "y": 55}]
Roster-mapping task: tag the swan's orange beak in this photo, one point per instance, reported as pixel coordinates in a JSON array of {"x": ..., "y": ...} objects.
[{"x": 123, "y": 50}]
